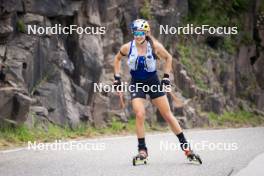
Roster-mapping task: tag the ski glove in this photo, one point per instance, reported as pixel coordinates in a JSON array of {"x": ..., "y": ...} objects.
[
  {"x": 117, "y": 82},
  {"x": 165, "y": 80}
]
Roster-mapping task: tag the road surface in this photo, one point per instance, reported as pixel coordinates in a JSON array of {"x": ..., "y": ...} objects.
[{"x": 112, "y": 156}]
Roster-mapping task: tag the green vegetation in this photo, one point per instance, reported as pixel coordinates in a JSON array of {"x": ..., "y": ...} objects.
[
  {"x": 220, "y": 12},
  {"x": 145, "y": 11},
  {"x": 21, "y": 26},
  {"x": 235, "y": 119},
  {"x": 193, "y": 59},
  {"x": 22, "y": 133},
  {"x": 11, "y": 135},
  {"x": 247, "y": 39},
  {"x": 229, "y": 45}
]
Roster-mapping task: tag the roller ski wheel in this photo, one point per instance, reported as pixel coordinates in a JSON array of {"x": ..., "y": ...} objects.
[
  {"x": 192, "y": 157},
  {"x": 141, "y": 158}
]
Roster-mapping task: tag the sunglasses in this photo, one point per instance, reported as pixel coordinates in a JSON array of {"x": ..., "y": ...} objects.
[{"x": 139, "y": 33}]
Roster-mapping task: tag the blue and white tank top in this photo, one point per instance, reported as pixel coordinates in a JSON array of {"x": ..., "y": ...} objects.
[{"x": 141, "y": 67}]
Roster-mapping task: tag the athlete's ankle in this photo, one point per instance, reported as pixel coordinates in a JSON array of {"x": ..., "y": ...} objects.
[
  {"x": 185, "y": 146},
  {"x": 142, "y": 144}
]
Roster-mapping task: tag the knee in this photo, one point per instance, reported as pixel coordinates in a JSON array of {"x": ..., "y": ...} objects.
[{"x": 140, "y": 115}]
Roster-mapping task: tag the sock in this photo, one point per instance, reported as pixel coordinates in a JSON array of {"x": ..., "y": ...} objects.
[
  {"x": 183, "y": 142},
  {"x": 142, "y": 144}
]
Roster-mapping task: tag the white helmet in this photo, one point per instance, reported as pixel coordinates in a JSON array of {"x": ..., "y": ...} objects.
[{"x": 140, "y": 24}]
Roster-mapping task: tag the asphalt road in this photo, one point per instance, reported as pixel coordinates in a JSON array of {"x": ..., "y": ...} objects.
[{"x": 113, "y": 156}]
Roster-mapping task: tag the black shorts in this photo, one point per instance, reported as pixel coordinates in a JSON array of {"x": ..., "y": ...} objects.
[{"x": 142, "y": 89}]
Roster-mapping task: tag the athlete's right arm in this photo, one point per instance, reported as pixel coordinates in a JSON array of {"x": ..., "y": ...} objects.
[{"x": 124, "y": 50}]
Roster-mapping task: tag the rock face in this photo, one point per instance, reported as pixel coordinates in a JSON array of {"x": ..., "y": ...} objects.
[
  {"x": 14, "y": 105},
  {"x": 58, "y": 71}
]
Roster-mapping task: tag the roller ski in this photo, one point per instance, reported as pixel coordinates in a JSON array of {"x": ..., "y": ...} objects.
[
  {"x": 141, "y": 158},
  {"x": 192, "y": 157}
]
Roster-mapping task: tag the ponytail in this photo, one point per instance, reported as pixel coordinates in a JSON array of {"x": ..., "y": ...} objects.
[{"x": 150, "y": 39}]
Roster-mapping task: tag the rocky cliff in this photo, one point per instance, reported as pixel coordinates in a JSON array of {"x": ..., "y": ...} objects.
[{"x": 49, "y": 78}]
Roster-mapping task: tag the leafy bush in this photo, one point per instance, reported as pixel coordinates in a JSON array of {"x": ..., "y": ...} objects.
[{"x": 236, "y": 118}]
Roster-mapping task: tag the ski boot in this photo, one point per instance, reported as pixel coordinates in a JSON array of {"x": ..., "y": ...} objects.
[
  {"x": 141, "y": 158},
  {"x": 192, "y": 157}
]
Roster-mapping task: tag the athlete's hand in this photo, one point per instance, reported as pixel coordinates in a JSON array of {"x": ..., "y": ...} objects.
[
  {"x": 117, "y": 82},
  {"x": 165, "y": 80}
]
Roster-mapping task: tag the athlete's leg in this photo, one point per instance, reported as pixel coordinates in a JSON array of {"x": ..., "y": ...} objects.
[
  {"x": 139, "y": 110},
  {"x": 163, "y": 105},
  {"x": 164, "y": 108},
  {"x": 159, "y": 99}
]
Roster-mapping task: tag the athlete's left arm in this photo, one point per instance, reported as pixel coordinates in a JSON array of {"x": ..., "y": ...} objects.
[{"x": 162, "y": 53}]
